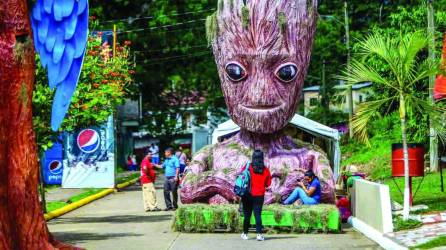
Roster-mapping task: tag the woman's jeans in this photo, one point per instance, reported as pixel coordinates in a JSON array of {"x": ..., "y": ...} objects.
[
  {"x": 250, "y": 204},
  {"x": 299, "y": 193}
]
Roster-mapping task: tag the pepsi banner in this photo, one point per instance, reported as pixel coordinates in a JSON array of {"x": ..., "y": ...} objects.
[
  {"x": 89, "y": 161},
  {"x": 52, "y": 165}
]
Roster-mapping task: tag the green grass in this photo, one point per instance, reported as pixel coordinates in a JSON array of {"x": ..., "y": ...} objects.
[
  {"x": 53, "y": 205},
  {"x": 429, "y": 193},
  {"x": 127, "y": 178},
  {"x": 400, "y": 224},
  {"x": 88, "y": 192},
  {"x": 203, "y": 218},
  {"x": 437, "y": 242}
]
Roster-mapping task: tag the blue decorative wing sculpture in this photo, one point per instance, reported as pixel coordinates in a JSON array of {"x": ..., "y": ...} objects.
[{"x": 60, "y": 30}]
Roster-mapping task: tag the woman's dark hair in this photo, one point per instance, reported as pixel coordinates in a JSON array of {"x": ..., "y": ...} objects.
[
  {"x": 258, "y": 161},
  {"x": 310, "y": 174}
]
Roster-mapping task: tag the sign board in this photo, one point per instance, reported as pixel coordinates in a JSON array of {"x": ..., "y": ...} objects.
[
  {"x": 90, "y": 161},
  {"x": 52, "y": 165}
]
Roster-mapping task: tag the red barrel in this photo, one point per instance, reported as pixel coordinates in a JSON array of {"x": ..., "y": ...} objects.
[{"x": 416, "y": 160}]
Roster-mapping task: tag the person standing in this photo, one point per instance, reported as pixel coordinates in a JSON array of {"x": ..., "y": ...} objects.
[
  {"x": 253, "y": 201},
  {"x": 155, "y": 153},
  {"x": 182, "y": 157},
  {"x": 148, "y": 178},
  {"x": 171, "y": 166}
]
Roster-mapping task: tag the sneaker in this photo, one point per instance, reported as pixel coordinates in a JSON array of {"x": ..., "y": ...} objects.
[
  {"x": 244, "y": 236},
  {"x": 260, "y": 237},
  {"x": 156, "y": 209}
]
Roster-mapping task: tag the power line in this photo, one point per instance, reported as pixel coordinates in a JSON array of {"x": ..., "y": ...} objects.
[
  {"x": 160, "y": 27},
  {"x": 174, "y": 49},
  {"x": 130, "y": 19},
  {"x": 177, "y": 58}
]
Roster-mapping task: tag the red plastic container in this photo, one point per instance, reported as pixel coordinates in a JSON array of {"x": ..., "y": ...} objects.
[{"x": 416, "y": 160}]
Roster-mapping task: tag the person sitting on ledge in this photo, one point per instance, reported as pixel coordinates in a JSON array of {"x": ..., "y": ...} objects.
[{"x": 308, "y": 195}]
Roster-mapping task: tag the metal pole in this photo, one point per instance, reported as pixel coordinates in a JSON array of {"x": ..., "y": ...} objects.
[
  {"x": 433, "y": 140},
  {"x": 441, "y": 176},
  {"x": 350, "y": 91},
  {"x": 115, "y": 35}
]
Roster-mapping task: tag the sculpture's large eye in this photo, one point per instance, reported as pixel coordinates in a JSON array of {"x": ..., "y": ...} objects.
[
  {"x": 286, "y": 72},
  {"x": 235, "y": 72}
]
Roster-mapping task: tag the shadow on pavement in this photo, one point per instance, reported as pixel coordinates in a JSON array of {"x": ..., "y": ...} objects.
[
  {"x": 114, "y": 219},
  {"x": 76, "y": 237}
]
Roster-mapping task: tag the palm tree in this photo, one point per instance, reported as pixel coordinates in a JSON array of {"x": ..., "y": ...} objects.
[{"x": 400, "y": 66}]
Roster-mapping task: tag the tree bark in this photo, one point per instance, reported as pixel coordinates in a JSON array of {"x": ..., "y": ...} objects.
[
  {"x": 22, "y": 224},
  {"x": 406, "y": 205}
]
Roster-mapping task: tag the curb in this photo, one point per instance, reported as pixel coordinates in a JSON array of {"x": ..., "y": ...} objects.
[
  {"x": 75, "y": 205},
  {"x": 374, "y": 234}
]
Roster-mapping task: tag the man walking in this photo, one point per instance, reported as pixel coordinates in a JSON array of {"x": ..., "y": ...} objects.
[
  {"x": 148, "y": 178},
  {"x": 171, "y": 168}
]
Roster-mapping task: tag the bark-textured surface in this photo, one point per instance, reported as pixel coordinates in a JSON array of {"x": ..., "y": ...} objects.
[
  {"x": 22, "y": 225},
  {"x": 261, "y": 37},
  {"x": 212, "y": 173}
]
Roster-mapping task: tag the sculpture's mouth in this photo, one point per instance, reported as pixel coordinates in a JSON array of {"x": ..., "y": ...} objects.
[{"x": 259, "y": 108}]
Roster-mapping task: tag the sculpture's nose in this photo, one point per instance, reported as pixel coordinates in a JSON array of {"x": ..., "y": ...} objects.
[{"x": 261, "y": 92}]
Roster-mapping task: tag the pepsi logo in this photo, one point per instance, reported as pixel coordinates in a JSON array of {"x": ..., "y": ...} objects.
[
  {"x": 55, "y": 167},
  {"x": 88, "y": 141}
]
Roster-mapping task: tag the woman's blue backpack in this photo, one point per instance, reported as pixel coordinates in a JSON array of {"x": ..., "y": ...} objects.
[{"x": 243, "y": 182}]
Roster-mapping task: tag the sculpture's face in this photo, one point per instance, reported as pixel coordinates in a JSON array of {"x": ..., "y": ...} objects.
[{"x": 262, "y": 66}]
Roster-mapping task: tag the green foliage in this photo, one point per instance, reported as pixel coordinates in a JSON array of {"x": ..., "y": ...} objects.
[
  {"x": 104, "y": 84},
  {"x": 407, "y": 68},
  {"x": 327, "y": 117},
  {"x": 375, "y": 160},
  {"x": 399, "y": 224},
  {"x": 245, "y": 16},
  {"x": 211, "y": 27},
  {"x": 435, "y": 243},
  {"x": 201, "y": 218},
  {"x": 173, "y": 60}
]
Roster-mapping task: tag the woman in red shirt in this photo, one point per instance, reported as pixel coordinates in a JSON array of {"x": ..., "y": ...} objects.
[{"x": 253, "y": 201}]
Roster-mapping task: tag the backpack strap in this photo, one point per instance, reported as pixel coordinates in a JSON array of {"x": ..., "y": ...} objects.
[{"x": 247, "y": 166}]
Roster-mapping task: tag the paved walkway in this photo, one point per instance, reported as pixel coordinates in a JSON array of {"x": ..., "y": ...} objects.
[
  {"x": 420, "y": 235},
  {"x": 119, "y": 222}
]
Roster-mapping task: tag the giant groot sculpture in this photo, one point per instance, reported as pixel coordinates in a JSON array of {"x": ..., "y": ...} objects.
[{"x": 262, "y": 50}]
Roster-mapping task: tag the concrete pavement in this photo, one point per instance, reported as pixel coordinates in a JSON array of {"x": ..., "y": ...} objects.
[{"x": 118, "y": 221}]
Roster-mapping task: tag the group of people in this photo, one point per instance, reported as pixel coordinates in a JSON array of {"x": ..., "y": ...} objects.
[
  {"x": 173, "y": 165},
  {"x": 308, "y": 191}
]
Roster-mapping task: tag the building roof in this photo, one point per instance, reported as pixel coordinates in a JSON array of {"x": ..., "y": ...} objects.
[{"x": 358, "y": 86}]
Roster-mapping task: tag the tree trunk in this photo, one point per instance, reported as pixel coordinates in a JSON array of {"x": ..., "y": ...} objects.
[
  {"x": 22, "y": 225},
  {"x": 406, "y": 206},
  {"x": 433, "y": 138}
]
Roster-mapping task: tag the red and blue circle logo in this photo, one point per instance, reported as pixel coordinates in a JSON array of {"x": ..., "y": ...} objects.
[
  {"x": 88, "y": 141},
  {"x": 55, "y": 167}
]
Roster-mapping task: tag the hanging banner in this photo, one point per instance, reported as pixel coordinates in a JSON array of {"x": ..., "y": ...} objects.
[{"x": 89, "y": 158}]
